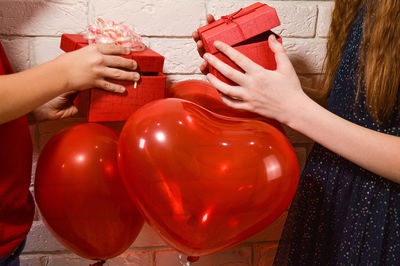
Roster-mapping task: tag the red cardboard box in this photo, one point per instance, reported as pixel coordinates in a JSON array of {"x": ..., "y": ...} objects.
[
  {"x": 101, "y": 106},
  {"x": 247, "y": 30}
]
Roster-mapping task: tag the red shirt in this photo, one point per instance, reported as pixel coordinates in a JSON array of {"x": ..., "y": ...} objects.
[{"x": 16, "y": 202}]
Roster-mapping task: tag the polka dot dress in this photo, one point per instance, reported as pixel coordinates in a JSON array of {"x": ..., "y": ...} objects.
[{"x": 343, "y": 214}]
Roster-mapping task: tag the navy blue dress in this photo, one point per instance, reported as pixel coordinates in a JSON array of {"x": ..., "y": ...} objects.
[{"x": 343, "y": 214}]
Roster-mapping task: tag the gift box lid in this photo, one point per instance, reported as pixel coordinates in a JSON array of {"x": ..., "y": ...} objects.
[
  {"x": 147, "y": 60},
  {"x": 70, "y": 42},
  {"x": 239, "y": 26}
]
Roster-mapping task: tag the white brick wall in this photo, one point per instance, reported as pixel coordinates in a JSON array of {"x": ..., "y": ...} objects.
[{"x": 30, "y": 32}]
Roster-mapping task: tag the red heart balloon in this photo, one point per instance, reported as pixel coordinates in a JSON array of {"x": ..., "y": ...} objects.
[
  {"x": 80, "y": 193},
  {"x": 205, "y": 182},
  {"x": 206, "y": 95}
]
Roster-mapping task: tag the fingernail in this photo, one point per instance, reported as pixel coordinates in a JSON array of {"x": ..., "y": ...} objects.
[
  {"x": 206, "y": 56},
  {"x": 136, "y": 77},
  {"x": 122, "y": 89},
  {"x": 127, "y": 50},
  {"x": 217, "y": 43},
  {"x": 134, "y": 65}
]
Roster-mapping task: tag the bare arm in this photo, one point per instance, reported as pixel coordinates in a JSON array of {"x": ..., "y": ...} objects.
[
  {"x": 88, "y": 67},
  {"x": 278, "y": 94},
  {"x": 372, "y": 150},
  {"x": 22, "y": 92}
]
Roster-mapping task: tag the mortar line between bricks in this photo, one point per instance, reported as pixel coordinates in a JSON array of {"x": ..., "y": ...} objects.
[
  {"x": 67, "y": 252},
  {"x": 258, "y": 242},
  {"x": 253, "y": 253},
  {"x": 30, "y": 36},
  {"x": 300, "y": 1},
  {"x": 59, "y": 252},
  {"x": 304, "y": 38},
  {"x": 316, "y": 22},
  {"x": 90, "y": 12},
  {"x": 153, "y": 258},
  {"x": 148, "y": 248}
]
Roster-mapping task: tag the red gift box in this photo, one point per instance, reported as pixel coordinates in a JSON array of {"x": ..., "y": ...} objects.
[
  {"x": 101, "y": 106},
  {"x": 247, "y": 30}
]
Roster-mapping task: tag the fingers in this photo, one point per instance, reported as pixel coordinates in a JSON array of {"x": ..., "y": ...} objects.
[
  {"x": 115, "y": 73},
  {"x": 236, "y": 104},
  {"x": 227, "y": 71},
  {"x": 67, "y": 112},
  {"x": 112, "y": 49},
  {"x": 235, "y": 92},
  {"x": 109, "y": 86},
  {"x": 210, "y": 18},
  {"x": 196, "y": 36},
  {"x": 204, "y": 68},
  {"x": 119, "y": 62},
  {"x": 111, "y": 68},
  {"x": 282, "y": 60},
  {"x": 241, "y": 60},
  {"x": 68, "y": 94},
  {"x": 199, "y": 43},
  {"x": 200, "y": 48}
]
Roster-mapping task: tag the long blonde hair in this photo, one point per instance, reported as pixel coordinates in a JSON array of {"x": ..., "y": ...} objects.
[{"x": 379, "y": 57}]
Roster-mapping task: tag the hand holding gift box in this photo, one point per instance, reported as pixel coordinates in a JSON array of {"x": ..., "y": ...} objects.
[
  {"x": 269, "y": 92},
  {"x": 98, "y": 105},
  {"x": 247, "y": 30}
]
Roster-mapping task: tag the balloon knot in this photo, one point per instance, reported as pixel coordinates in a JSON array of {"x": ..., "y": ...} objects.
[
  {"x": 192, "y": 258},
  {"x": 99, "y": 263}
]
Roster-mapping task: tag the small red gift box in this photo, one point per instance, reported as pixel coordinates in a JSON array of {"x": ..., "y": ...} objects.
[
  {"x": 247, "y": 30},
  {"x": 102, "y": 106}
]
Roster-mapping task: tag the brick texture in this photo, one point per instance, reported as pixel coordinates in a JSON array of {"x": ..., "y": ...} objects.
[{"x": 30, "y": 32}]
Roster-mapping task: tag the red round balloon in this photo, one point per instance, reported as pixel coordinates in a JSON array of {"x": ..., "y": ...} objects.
[
  {"x": 204, "y": 181},
  {"x": 206, "y": 95},
  {"x": 80, "y": 193}
]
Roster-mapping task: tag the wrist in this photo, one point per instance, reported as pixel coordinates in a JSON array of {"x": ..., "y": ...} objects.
[
  {"x": 299, "y": 111},
  {"x": 37, "y": 116},
  {"x": 31, "y": 118},
  {"x": 63, "y": 68}
]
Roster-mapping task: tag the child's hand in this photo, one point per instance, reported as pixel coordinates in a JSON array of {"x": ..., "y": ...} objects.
[
  {"x": 90, "y": 66},
  {"x": 199, "y": 44},
  {"x": 60, "y": 107},
  {"x": 275, "y": 94}
]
